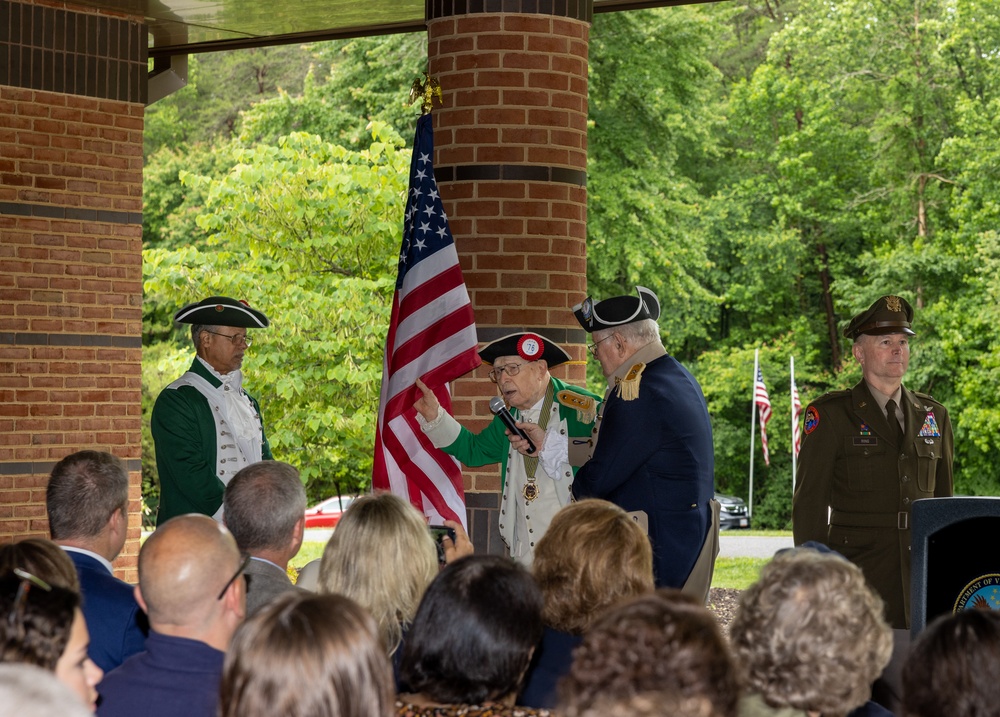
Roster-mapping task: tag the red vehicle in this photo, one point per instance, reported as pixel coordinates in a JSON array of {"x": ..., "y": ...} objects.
[{"x": 327, "y": 513}]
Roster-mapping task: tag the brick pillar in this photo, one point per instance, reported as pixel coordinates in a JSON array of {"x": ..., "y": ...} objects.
[
  {"x": 511, "y": 157},
  {"x": 72, "y": 91}
]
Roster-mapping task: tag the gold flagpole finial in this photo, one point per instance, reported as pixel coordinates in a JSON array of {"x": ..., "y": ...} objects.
[{"x": 425, "y": 91}]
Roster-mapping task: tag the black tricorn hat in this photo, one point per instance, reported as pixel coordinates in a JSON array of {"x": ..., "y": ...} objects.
[
  {"x": 888, "y": 315},
  {"x": 222, "y": 311},
  {"x": 529, "y": 346},
  {"x": 617, "y": 310}
]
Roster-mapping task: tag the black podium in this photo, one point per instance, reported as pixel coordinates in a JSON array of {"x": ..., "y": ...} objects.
[{"x": 955, "y": 558}]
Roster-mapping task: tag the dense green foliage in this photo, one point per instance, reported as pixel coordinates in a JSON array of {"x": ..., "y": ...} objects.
[{"x": 768, "y": 168}]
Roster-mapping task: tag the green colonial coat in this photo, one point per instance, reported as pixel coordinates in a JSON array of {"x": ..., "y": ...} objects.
[
  {"x": 184, "y": 432},
  {"x": 492, "y": 445}
]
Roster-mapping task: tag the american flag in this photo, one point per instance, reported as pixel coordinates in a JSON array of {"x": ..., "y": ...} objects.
[
  {"x": 432, "y": 336},
  {"x": 763, "y": 403},
  {"x": 796, "y": 412}
]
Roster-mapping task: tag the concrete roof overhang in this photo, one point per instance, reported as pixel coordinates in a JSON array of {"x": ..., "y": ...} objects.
[{"x": 179, "y": 27}]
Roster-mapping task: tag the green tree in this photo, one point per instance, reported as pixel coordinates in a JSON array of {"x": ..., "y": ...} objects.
[
  {"x": 307, "y": 231},
  {"x": 366, "y": 79},
  {"x": 220, "y": 86},
  {"x": 650, "y": 130}
]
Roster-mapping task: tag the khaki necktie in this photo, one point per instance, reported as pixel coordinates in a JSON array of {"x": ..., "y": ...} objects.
[{"x": 894, "y": 425}]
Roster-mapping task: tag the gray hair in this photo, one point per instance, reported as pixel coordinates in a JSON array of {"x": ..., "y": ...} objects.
[
  {"x": 635, "y": 334},
  {"x": 85, "y": 489},
  {"x": 810, "y": 634},
  {"x": 30, "y": 691},
  {"x": 262, "y": 504},
  {"x": 197, "y": 330}
]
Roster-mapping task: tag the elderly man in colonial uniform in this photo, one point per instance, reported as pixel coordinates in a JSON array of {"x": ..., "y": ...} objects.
[
  {"x": 868, "y": 452},
  {"x": 653, "y": 455},
  {"x": 205, "y": 425},
  {"x": 536, "y": 485}
]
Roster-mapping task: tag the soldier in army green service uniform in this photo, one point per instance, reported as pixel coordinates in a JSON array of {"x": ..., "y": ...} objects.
[{"x": 868, "y": 453}]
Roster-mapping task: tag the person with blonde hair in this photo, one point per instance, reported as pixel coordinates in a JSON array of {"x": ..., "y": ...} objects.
[
  {"x": 809, "y": 637},
  {"x": 307, "y": 656},
  {"x": 592, "y": 556},
  {"x": 664, "y": 645},
  {"x": 383, "y": 557}
]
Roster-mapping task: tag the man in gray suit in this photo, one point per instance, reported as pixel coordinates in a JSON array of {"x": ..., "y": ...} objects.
[{"x": 264, "y": 508}]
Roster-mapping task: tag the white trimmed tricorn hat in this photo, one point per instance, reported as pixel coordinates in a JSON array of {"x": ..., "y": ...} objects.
[
  {"x": 222, "y": 311},
  {"x": 529, "y": 346},
  {"x": 617, "y": 310}
]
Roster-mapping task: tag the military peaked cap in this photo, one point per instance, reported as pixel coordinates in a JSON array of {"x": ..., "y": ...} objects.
[{"x": 888, "y": 315}]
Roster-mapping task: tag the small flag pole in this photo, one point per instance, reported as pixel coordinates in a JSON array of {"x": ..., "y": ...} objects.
[
  {"x": 753, "y": 424},
  {"x": 795, "y": 418}
]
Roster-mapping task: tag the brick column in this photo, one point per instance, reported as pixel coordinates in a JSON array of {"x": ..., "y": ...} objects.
[
  {"x": 511, "y": 157},
  {"x": 72, "y": 91}
]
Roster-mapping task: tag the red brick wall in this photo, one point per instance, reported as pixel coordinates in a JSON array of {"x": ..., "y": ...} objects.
[
  {"x": 510, "y": 159},
  {"x": 71, "y": 285}
]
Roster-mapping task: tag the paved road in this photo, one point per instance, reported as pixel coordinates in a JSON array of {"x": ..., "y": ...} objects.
[
  {"x": 317, "y": 535},
  {"x": 734, "y": 545}
]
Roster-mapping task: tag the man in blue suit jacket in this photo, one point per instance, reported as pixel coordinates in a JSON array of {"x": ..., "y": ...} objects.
[
  {"x": 87, "y": 505},
  {"x": 653, "y": 452}
]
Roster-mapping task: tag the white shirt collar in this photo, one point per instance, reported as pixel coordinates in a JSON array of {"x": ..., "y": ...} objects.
[
  {"x": 99, "y": 558},
  {"x": 230, "y": 378},
  {"x": 265, "y": 560}
]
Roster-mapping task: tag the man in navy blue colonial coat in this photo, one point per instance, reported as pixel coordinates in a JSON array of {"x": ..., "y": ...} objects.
[{"x": 654, "y": 456}]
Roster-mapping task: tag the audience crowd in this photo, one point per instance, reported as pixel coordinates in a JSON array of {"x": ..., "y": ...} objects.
[{"x": 387, "y": 625}]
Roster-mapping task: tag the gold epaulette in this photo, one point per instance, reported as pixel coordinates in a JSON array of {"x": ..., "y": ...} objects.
[
  {"x": 628, "y": 387},
  {"x": 586, "y": 407}
]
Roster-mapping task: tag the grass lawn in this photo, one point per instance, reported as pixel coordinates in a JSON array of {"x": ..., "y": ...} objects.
[
  {"x": 756, "y": 533},
  {"x": 308, "y": 551},
  {"x": 735, "y": 573}
]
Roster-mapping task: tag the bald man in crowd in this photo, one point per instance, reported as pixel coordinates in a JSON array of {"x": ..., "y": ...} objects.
[{"x": 192, "y": 588}]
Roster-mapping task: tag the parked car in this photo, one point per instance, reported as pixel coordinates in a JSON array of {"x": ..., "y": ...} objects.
[
  {"x": 326, "y": 514},
  {"x": 734, "y": 512}
]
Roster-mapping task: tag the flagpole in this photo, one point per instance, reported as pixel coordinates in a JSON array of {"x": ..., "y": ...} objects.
[
  {"x": 791, "y": 398},
  {"x": 753, "y": 425}
]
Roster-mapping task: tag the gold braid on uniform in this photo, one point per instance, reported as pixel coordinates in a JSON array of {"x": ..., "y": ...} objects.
[
  {"x": 530, "y": 490},
  {"x": 628, "y": 387}
]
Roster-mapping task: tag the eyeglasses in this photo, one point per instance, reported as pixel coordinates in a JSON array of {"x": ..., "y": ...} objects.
[
  {"x": 512, "y": 369},
  {"x": 592, "y": 348},
  {"x": 236, "y": 575},
  {"x": 21, "y": 597},
  {"x": 237, "y": 339}
]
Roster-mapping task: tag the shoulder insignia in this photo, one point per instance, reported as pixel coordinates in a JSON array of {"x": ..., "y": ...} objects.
[
  {"x": 628, "y": 387},
  {"x": 586, "y": 407},
  {"x": 832, "y": 396},
  {"x": 811, "y": 420}
]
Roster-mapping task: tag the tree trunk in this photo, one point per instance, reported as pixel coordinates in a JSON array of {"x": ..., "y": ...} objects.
[{"x": 831, "y": 319}]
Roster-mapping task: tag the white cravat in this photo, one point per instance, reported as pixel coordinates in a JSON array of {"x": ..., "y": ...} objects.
[{"x": 240, "y": 412}]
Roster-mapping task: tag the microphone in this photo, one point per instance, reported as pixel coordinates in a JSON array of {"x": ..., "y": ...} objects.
[{"x": 499, "y": 409}]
